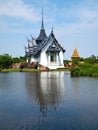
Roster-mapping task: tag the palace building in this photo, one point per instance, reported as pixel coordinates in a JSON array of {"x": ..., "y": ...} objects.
[{"x": 45, "y": 50}]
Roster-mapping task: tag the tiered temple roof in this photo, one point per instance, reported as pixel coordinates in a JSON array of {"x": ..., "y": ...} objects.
[
  {"x": 36, "y": 45},
  {"x": 42, "y": 34}
]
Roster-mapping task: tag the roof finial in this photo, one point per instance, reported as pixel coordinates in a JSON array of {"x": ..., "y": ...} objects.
[
  {"x": 42, "y": 27},
  {"x": 52, "y": 29}
]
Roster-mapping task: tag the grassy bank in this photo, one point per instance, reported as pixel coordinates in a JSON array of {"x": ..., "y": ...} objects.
[
  {"x": 29, "y": 70},
  {"x": 19, "y": 70},
  {"x": 75, "y": 72},
  {"x": 85, "y": 70}
]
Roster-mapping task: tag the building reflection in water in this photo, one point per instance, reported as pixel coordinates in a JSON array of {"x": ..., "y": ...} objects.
[{"x": 46, "y": 88}]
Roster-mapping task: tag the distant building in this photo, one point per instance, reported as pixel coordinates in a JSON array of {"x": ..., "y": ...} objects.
[
  {"x": 45, "y": 50},
  {"x": 75, "y": 54}
]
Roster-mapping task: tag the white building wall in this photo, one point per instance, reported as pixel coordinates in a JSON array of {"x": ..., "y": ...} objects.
[
  {"x": 43, "y": 58},
  {"x": 32, "y": 59},
  {"x": 43, "y": 55},
  {"x": 44, "y": 61},
  {"x": 61, "y": 57},
  {"x": 27, "y": 60},
  {"x": 57, "y": 59},
  {"x": 35, "y": 59}
]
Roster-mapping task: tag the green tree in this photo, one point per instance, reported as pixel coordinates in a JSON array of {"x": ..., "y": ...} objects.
[
  {"x": 82, "y": 59},
  {"x": 5, "y": 61},
  {"x": 17, "y": 60},
  {"x": 22, "y": 59},
  {"x": 66, "y": 62},
  {"x": 91, "y": 60},
  {"x": 75, "y": 62}
]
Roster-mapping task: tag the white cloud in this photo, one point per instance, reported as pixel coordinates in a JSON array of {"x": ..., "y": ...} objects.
[{"x": 18, "y": 9}]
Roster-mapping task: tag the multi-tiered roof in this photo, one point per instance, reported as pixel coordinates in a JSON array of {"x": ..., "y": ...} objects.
[
  {"x": 36, "y": 45},
  {"x": 42, "y": 34}
]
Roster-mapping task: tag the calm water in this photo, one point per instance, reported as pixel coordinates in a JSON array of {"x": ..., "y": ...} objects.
[{"x": 48, "y": 101}]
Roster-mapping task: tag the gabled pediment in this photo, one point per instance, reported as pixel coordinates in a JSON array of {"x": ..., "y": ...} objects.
[{"x": 53, "y": 47}]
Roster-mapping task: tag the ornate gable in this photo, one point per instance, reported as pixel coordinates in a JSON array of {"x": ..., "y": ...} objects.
[{"x": 55, "y": 46}]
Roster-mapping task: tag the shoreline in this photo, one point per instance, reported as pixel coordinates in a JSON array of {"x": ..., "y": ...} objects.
[
  {"x": 30, "y": 70},
  {"x": 74, "y": 72}
]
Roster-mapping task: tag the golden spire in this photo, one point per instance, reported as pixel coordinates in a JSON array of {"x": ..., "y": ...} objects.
[{"x": 75, "y": 54}]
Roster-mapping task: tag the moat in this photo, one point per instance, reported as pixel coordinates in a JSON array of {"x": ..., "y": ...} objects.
[{"x": 48, "y": 101}]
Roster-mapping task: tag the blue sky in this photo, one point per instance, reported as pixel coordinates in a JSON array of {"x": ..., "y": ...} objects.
[{"x": 75, "y": 24}]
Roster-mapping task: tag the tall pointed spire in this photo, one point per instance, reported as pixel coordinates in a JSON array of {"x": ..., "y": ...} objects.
[
  {"x": 52, "y": 29},
  {"x": 42, "y": 27},
  {"x": 42, "y": 34}
]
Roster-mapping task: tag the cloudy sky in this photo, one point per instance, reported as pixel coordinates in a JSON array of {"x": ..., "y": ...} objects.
[{"x": 75, "y": 24}]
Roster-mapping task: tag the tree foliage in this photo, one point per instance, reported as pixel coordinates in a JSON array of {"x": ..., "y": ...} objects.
[
  {"x": 75, "y": 62},
  {"x": 66, "y": 62},
  {"x": 17, "y": 60},
  {"x": 6, "y": 61},
  {"x": 89, "y": 67},
  {"x": 92, "y": 59}
]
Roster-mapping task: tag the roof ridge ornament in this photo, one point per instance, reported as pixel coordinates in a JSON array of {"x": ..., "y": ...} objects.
[
  {"x": 42, "y": 26},
  {"x": 52, "y": 29}
]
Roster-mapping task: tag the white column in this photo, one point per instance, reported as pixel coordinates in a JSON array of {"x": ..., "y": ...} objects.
[
  {"x": 49, "y": 58},
  {"x": 27, "y": 60},
  {"x": 57, "y": 59}
]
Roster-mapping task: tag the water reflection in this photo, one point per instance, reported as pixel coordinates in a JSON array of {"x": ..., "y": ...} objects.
[
  {"x": 65, "y": 102},
  {"x": 46, "y": 88}
]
